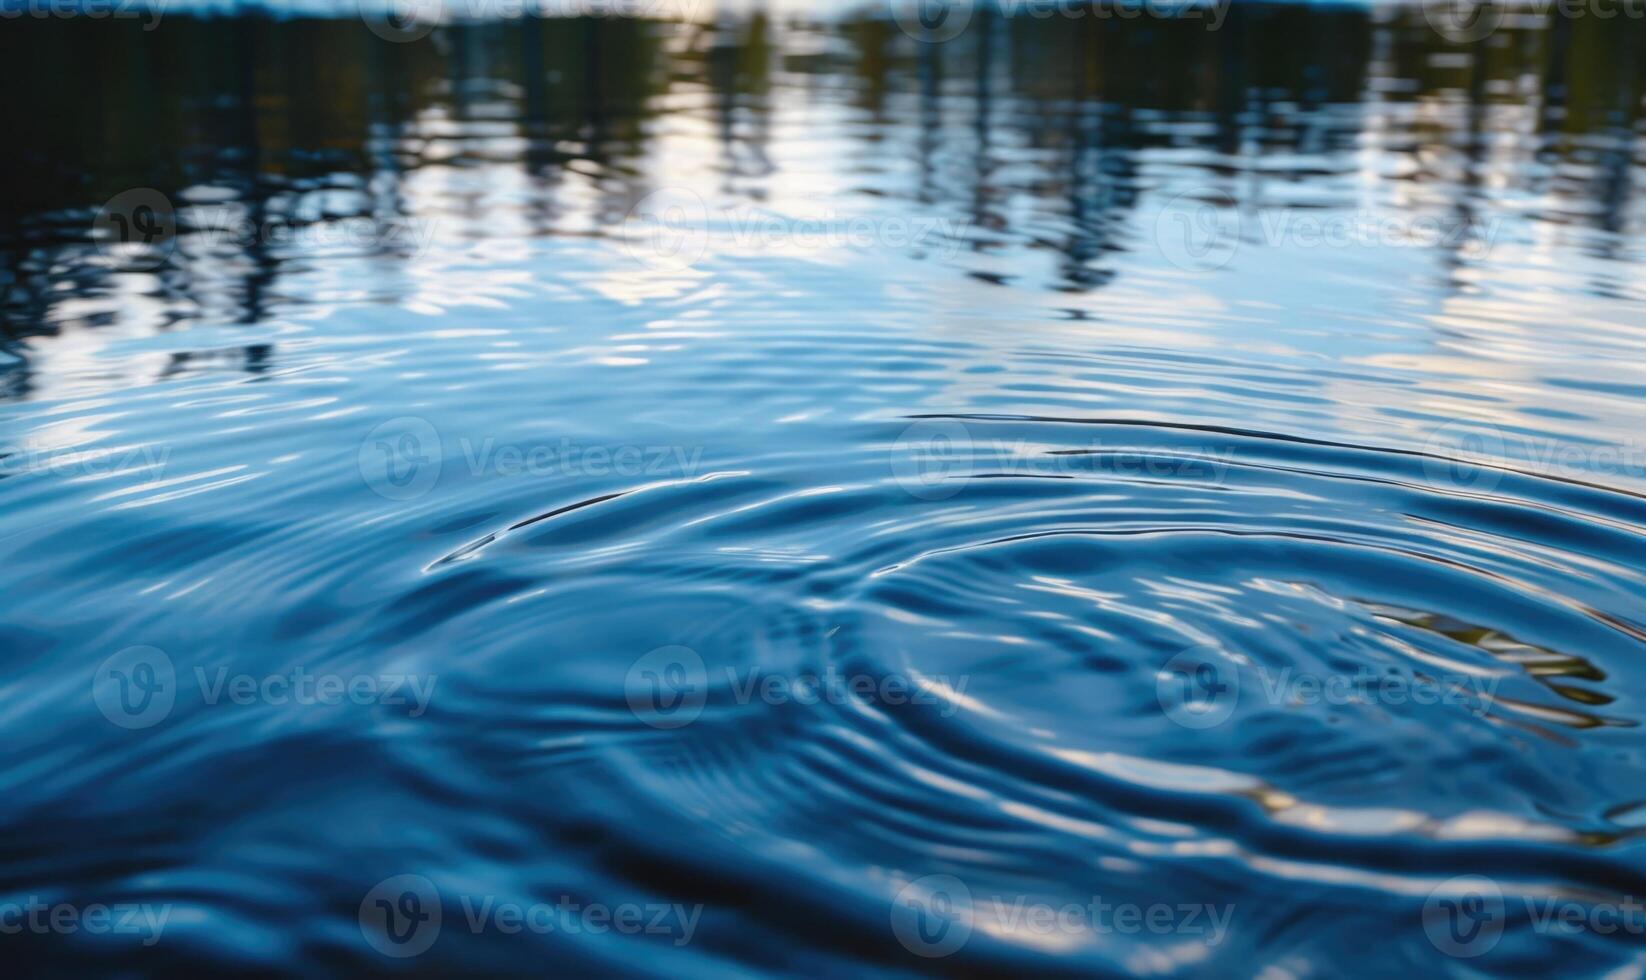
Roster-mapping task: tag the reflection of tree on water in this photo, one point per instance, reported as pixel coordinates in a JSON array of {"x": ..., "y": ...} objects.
[
  {"x": 737, "y": 65},
  {"x": 303, "y": 123}
]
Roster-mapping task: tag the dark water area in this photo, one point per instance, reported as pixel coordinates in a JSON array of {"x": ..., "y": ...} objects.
[{"x": 760, "y": 494}]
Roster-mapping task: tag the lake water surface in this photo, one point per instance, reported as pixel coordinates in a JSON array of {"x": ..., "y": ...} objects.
[{"x": 762, "y": 494}]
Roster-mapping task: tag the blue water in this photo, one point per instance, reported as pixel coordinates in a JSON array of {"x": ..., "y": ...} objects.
[{"x": 762, "y": 495}]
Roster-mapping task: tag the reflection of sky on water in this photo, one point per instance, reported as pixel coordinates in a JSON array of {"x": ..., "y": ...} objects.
[{"x": 1190, "y": 425}]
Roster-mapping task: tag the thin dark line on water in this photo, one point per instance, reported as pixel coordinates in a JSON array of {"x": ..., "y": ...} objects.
[{"x": 477, "y": 544}]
